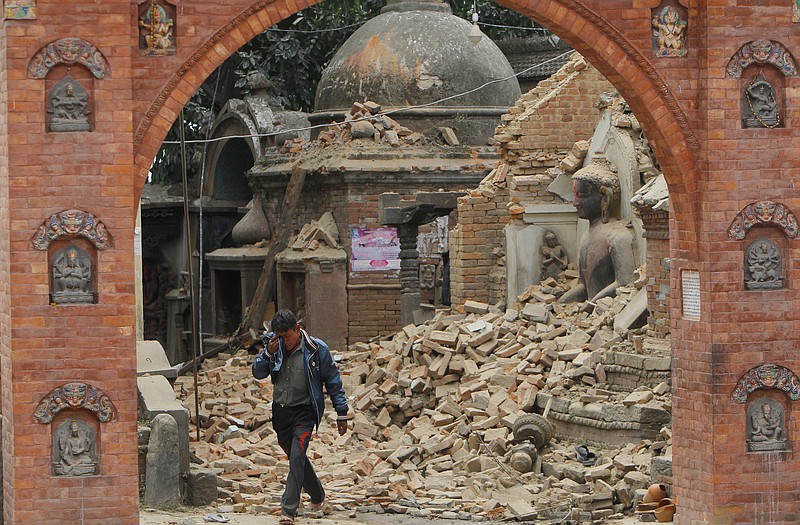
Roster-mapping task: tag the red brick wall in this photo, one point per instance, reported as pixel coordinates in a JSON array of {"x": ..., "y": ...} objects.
[
  {"x": 373, "y": 304},
  {"x": 475, "y": 246},
  {"x": 658, "y": 272},
  {"x": 45, "y": 346}
]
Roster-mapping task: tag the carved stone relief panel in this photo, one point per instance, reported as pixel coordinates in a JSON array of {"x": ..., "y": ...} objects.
[
  {"x": 72, "y": 277},
  {"x": 795, "y": 10},
  {"x": 157, "y": 28},
  {"x": 669, "y": 21},
  {"x": 761, "y": 102},
  {"x": 763, "y": 265},
  {"x": 766, "y": 213},
  {"x": 74, "y": 449},
  {"x": 554, "y": 257},
  {"x": 68, "y": 106},
  {"x": 766, "y": 426},
  {"x": 71, "y": 223},
  {"x": 68, "y": 51},
  {"x": 764, "y": 377},
  {"x": 75, "y": 396},
  {"x": 19, "y": 9},
  {"x": 760, "y": 53},
  {"x": 427, "y": 276}
]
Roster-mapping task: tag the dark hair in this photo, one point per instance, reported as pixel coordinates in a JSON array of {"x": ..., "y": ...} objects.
[{"x": 283, "y": 321}]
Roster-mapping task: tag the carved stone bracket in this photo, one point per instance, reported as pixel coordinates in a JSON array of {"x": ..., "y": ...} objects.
[
  {"x": 762, "y": 52},
  {"x": 68, "y": 51},
  {"x": 75, "y": 395},
  {"x": 68, "y": 223},
  {"x": 767, "y": 213},
  {"x": 767, "y": 376}
]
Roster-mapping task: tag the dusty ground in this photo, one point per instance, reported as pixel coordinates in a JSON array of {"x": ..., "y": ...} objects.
[{"x": 195, "y": 517}]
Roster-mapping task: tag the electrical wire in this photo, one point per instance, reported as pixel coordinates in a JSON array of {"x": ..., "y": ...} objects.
[
  {"x": 385, "y": 113},
  {"x": 312, "y": 31},
  {"x": 357, "y": 24}
]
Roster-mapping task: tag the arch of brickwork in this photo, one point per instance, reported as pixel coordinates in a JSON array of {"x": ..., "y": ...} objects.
[{"x": 687, "y": 107}]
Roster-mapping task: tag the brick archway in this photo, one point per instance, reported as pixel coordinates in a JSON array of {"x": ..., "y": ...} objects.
[
  {"x": 602, "y": 43},
  {"x": 688, "y": 108}
]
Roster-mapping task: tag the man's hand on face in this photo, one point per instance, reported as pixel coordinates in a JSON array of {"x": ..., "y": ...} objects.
[
  {"x": 341, "y": 425},
  {"x": 272, "y": 346}
]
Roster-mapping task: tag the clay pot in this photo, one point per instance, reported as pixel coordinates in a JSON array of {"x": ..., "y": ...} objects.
[
  {"x": 665, "y": 510},
  {"x": 655, "y": 493}
]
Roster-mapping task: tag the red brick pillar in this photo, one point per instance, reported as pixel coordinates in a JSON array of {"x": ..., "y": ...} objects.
[{"x": 45, "y": 346}]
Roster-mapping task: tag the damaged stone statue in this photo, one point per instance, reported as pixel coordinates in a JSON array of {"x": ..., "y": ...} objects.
[{"x": 607, "y": 256}]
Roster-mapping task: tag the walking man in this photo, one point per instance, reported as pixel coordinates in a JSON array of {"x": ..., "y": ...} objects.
[{"x": 299, "y": 366}]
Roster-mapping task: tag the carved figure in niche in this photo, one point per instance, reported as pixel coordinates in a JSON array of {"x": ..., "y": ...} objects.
[
  {"x": 669, "y": 33},
  {"x": 74, "y": 450},
  {"x": 68, "y": 106},
  {"x": 607, "y": 257},
  {"x": 763, "y": 266},
  {"x": 72, "y": 276},
  {"x": 765, "y": 430},
  {"x": 158, "y": 30},
  {"x": 554, "y": 258},
  {"x": 760, "y": 105}
]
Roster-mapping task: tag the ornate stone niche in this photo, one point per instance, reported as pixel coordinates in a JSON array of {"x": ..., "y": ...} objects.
[
  {"x": 766, "y": 213},
  {"x": 68, "y": 51},
  {"x": 68, "y": 106},
  {"x": 762, "y": 67},
  {"x": 669, "y": 22},
  {"x": 75, "y": 412},
  {"x": 71, "y": 276},
  {"x": 72, "y": 239},
  {"x": 157, "y": 28},
  {"x": 766, "y": 428},
  {"x": 763, "y": 265},
  {"x": 75, "y": 449}
]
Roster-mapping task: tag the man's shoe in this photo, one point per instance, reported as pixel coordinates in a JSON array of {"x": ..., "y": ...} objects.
[
  {"x": 286, "y": 520},
  {"x": 319, "y": 509}
]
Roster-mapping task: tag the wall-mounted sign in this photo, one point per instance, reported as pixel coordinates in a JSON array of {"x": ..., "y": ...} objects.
[{"x": 374, "y": 249}]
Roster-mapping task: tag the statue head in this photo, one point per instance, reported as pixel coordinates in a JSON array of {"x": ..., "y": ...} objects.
[
  {"x": 597, "y": 190},
  {"x": 550, "y": 239}
]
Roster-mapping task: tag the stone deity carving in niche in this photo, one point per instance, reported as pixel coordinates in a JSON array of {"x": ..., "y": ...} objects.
[
  {"x": 763, "y": 266},
  {"x": 74, "y": 449},
  {"x": 608, "y": 252},
  {"x": 72, "y": 276},
  {"x": 765, "y": 427},
  {"x": 554, "y": 258},
  {"x": 157, "y": 27},
  {"x": 68, "y": 106},
  {"x": 760, "y": 108},
  {"x": 669, "y": 33}
]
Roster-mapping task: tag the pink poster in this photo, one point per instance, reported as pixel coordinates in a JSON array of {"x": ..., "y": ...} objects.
[{"x": 374, "y": 249}]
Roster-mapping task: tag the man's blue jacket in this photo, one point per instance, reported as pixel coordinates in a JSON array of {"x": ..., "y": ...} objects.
[{"x": 320, "y": 369}]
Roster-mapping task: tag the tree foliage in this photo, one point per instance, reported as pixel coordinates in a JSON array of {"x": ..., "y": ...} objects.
[{"x": 293, "y": 55}]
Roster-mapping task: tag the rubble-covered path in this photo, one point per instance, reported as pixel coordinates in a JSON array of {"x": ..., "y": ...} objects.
[{"x": 195, "y": 517}]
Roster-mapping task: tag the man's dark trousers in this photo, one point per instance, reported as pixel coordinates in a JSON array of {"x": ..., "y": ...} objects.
[{"x": 294, "y": 426}]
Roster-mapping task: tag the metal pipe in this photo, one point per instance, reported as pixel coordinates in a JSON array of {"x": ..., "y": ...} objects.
[{"x": 192, "y": 290}]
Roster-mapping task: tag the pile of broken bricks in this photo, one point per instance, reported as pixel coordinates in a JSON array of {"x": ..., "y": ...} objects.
[
  {"x": 434, "y": 407},
  {"x": 366, "y": 121}
]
